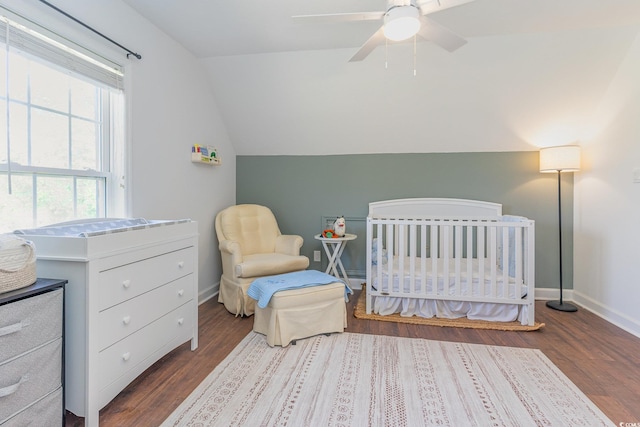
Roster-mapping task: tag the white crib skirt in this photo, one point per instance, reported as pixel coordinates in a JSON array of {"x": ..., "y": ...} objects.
[{"x": 427, "y": 308}]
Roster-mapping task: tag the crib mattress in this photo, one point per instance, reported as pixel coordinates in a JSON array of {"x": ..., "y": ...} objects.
[
  {"x": 424, "y": 307},
  {"x": 477, "y": 286}
]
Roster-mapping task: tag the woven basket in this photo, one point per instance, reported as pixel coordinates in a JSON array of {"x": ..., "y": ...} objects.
[{"x": 17, "y": 263}]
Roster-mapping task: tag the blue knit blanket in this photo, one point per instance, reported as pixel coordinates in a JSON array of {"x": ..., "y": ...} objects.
[{"x": 263, "y": 288}]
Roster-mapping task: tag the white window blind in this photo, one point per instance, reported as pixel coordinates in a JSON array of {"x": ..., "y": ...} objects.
[{"x": 32, "y": 39}]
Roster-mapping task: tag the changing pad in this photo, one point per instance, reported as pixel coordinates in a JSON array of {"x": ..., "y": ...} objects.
[{"x": 96, "y": 227}]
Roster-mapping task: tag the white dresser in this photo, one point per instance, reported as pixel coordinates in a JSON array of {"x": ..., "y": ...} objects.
[
  {"x": 131, "y": 298},
  {"x": 31, "y": 355}
]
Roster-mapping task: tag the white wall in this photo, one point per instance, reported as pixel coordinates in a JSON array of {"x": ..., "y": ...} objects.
[
  {"x": 496, "y": 93},
  {"x": 170, "y": 107},
  {"x": 607, "y": 204}
]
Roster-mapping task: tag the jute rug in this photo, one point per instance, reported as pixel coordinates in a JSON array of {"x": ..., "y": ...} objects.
[
  {"x": 360, "y": 312},
  {"x": 369, "y": 380}
]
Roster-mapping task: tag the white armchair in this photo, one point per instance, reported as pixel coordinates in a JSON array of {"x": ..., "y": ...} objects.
[{"x": 251, "y": 246}]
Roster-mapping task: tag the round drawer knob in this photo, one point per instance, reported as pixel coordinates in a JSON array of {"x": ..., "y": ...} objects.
[
  {"x": 180, "y": 321},
  {"x": 181, "y": 264},
  {"x": 126, "y": 320},
  {"x": 126, "y": 356},
  {"x": 181, "y": 292},
  {"x": 126, "y": 284}
]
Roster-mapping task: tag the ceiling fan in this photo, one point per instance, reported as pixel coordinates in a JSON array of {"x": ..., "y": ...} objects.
[{"x": 402, "y": 19}]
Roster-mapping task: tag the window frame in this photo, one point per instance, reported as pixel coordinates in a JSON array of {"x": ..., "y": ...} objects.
[{"x": 111, "y": 197}]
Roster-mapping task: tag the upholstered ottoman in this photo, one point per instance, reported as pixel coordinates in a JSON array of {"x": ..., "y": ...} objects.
[{"x": 301, "y": 313}]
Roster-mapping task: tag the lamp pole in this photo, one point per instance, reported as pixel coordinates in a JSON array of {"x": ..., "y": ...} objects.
[{"x": 560, "y": 305}]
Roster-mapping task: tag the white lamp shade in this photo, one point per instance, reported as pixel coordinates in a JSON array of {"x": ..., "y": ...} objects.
[
  {"x": 401, "y": 22},
  {"x": 565, "y": 158}
]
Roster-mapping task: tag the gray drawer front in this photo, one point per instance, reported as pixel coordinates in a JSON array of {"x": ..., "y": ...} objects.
[
  {"x": 30, "y": 322},
  {"x": 29, "y": 377},
  {"x": 47, "y": 412}
]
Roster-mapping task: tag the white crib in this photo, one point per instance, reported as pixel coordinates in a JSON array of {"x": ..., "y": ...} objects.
[{"x": 450, "y": 258}]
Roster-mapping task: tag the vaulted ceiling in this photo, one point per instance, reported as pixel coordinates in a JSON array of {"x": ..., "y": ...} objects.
[{"x": 532, "y": 73}]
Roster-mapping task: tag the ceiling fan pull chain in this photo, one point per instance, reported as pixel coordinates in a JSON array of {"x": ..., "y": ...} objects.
[
  {"x": 414, "y": 56},
  {"x": 386, "y": 54}
]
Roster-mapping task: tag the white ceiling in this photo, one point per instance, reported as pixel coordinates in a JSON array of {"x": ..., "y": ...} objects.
[
  {"x": 238, "y": 27},
  {"x": 530, "y": 67}
]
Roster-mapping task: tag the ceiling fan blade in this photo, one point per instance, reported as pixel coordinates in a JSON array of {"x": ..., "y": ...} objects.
[
  {"x": 375, "y": 40},
  {"x": 442, "y": 36},
  {"x": 339, "y": 17},
  {"x": 437, "y": 5}
]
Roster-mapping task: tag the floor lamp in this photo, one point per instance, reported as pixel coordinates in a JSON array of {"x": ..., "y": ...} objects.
[{"x": 557, "y": 160}]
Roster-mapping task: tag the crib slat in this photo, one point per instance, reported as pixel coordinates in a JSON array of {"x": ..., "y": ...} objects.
[
  {"x": 469, "y": 255},
  {"x": 480, "y": 253},
  {"x": 412, "y": 258},
  {"x": 445, "y": 258},
  {"x": 457, "y": 259},
  {"x": 506, "y": 261},
  {"x": 471, "y": 252},
  {"x": 401, "y": 253},
  {"x": 423, "y": 256},
  {"x": 435, "y": 246},
  {"x": 493, "y": 244},
  {"x": 390, "y": 254},
  {"x": 380, "y": 245}
]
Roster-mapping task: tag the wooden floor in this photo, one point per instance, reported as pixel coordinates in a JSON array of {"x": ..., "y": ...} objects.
[{"x": 601, "y": 359}]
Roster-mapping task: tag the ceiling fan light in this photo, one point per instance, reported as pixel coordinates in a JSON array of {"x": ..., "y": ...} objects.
[{"x": 401, "y": 22}]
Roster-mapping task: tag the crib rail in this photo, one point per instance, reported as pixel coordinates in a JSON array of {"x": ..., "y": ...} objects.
[{"x": 459, "y": 259}]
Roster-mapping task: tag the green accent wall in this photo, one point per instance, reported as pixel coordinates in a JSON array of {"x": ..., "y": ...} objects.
[{"x": 306, "y": 191}]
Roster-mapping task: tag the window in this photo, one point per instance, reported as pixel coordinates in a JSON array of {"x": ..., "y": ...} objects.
[{"x": 61, "y": 133}]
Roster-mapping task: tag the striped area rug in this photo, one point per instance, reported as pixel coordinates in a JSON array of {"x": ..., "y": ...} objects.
[{"x": 369, "y": 380}]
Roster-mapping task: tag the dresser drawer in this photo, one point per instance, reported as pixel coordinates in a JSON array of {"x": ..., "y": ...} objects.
[
  {"x": 123, "y": 283},
  {"x": 124, "y": 319},
  {"x": 28, "y": 323},
  {"x": 46, "y": 412},
  {"x": 124, "y": 355},
  {"x": 30, "y": 377}
]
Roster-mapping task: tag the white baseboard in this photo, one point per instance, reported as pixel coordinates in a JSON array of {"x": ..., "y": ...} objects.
[
  {"x": 208, "y": 293},
  {"x": 545, "y": 294},
  {"x": 356, "y": 283},
  {"x": 612, "y": 316}
]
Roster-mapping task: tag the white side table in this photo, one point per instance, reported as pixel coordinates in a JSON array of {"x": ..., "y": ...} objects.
[{"x": 333, "y": 247}]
